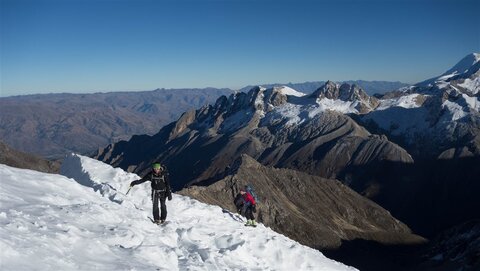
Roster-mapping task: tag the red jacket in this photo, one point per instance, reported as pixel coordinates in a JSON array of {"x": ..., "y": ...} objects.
[{"x": 248, "y": 198}]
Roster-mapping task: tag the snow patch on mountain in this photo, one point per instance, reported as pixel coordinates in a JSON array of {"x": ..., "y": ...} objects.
[
  {"x": 86, "y": 222},
  {"x": 337, "y": 105},
  {"x": 237, "y": 120},
  {"x": 407, "y": 101},
  {"x": 399, "y": 120},
  {"x": 406, "y": 89},
  {"x": 472, "y": 102},
  {"x": 259, "y": 102},
  {"x": 260, "y": 97},
  {"x": 456, "y": 111},
  {"x": 461, "y": 107},
  {"x": 291, "y": 113},
  {"x": 472, "y": 85},
  {"x": 292, "y": 92},
  {"x": 295, "y": 114},
  {"x": 476, "y": 56},
  {"x": 447, "y": 76}
]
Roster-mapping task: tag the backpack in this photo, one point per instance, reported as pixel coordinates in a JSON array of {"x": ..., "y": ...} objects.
[{"x": 249, "y": 189}]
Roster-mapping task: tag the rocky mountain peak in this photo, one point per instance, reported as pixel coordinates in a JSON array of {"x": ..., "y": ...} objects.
[
  {"x": 352, "y": 93},
  {"x": 358, "y": 100},
  {"x": 329, "y": 90},
  {"x": 464, "y": 65},
  {"x": 344, "y": 92},
  {"x": 457, "y": 89},
  {"x": 438, "y": 117},
  {"x": 463, "y": 70},
  {"x": 256, "y": 99},
  {"x": 239, "y": 101},
  {"x": 182, "y": 123}
]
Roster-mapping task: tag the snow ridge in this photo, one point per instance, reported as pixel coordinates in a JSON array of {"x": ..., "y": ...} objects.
[
  {"x": 463, "y": 67},
  {"x": 52, "y": 222}
]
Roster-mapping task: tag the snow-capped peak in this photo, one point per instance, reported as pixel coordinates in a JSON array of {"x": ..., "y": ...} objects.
[
  {"x": 476, "y": 56},
  {"x": 344, "y": 98},
  {"x": 86, "y": 222},
  {"x": 462, "y": 67},
  {"x": 290, "y": 91}
]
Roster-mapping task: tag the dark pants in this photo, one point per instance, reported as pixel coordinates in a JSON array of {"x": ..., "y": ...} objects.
[
  {"x": 159, "y": 196},
  {"x": 249, "y": 213}
]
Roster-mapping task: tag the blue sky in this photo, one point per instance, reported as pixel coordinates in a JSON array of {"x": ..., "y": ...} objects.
[{"x": 88, "y": 46}]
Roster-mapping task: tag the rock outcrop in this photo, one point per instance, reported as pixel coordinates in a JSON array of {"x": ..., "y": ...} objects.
[
  {"x": 363, "y": 103},
  {"x": 315, "y": 211}
]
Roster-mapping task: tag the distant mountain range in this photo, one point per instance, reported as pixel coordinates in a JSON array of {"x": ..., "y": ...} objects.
[
  {"x": 370, "y": 87},
  {"x": 52, "y": 125},
  {"x": 271, "y": 125},
  {"x": 320, "y": 133}
]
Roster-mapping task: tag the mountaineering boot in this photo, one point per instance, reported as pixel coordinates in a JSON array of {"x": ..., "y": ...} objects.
[
  {"x": 253, "y": 223},
  {"x": 158, "y": 222},
  {"x": 249, "y": 222}
]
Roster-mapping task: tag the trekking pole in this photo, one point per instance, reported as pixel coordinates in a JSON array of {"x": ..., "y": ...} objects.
[{"x": 128, "y": 190}]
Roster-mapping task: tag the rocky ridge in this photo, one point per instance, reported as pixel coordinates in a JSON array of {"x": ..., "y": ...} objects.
[
  {"x": 15, "y": 158},
  {"x": 315, "y": 211},
  {"x": 361, "y": 102},
  {"x": 277, "y": 126}
]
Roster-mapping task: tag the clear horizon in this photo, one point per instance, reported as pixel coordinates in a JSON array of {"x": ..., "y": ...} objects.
[{"x": 98, "y": 46}]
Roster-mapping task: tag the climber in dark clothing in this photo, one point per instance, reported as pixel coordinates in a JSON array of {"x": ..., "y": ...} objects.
[{"x": 160, "y": 190}]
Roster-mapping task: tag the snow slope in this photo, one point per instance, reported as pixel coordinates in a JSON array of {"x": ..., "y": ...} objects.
[
  {"x": 290, "y": 91},
  {"x": 445, "y": 107},
  {"x": 52, "y": 222},
  {"x": 472, "y": 85},
  {"x": 338, "y": 105},
  {"x": 300, "y": 111},
  {"x": 407, "y": 101}
]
